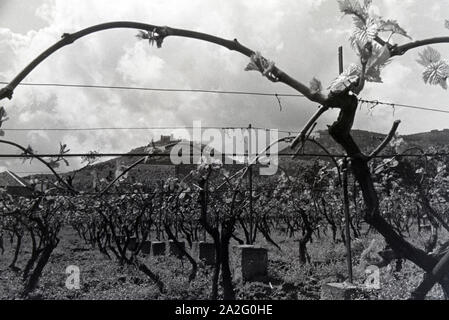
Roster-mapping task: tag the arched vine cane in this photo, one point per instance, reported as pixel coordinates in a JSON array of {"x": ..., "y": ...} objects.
[{"x": 157, "y": 35}]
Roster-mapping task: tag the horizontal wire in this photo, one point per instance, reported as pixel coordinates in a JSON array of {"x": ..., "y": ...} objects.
[
  {"x": 134, "y": 128},
  {"x": 375, "y": 102},
  {"x": 75, "y": 155},
  {"x": 401, "y": 105},
  {"x": 157, "y": 89},
  {"x": 165, "y": 155},
  {"x": 164, "y": 128}
]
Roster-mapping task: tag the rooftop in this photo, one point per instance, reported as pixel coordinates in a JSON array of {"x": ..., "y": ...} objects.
[{"x": 10, "y": 179}]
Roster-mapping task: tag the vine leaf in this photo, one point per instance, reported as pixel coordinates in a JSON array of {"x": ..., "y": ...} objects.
[
  {"x": 393, "y": 27},
  {"x": 373, "y": 74},
  {"x": 154, "y": 37},
  {"x": 62, "y": 151},
  {"x": 28, "y": 151},
  {"x": 436, "y": 69},
  {"x": 368, "y": 26},
  {"x": 54, "y": 164},
  {"x": 428, "y": 56},
  {"x": 3, "y": 118},
  {"x": 142, "y": 35},
  {"x": 344, "y": 81},
  {"x": 379, "y": 59},
  {"x": 354, "y": 8},
  {"x": 263, "y": 65},
  {"x": 364, "y": 32},
  {"x": 367, "y": 4},
  {"x": 437, "y": 73},
  {"x": 315, "y": 85}
]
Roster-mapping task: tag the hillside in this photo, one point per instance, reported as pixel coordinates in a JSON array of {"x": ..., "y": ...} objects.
[
  {"x": 153, "y": 171},
  {"x": 368, "y": 141},
  {"x": 158, "y": 168}
]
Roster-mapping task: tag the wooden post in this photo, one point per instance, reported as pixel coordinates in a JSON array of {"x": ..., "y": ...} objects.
[
  {"x": 250, "y": 178},
  {"x": 340, "y": 60},
  {"x": 347, "y": 226},
  {"x": 345, "y": 191}
]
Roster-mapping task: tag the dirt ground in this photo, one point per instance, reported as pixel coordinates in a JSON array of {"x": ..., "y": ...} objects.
[{"x": 104, "y": 279}]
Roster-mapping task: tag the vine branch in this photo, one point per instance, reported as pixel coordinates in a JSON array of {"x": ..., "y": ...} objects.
[{"x": 386, "y": 141}]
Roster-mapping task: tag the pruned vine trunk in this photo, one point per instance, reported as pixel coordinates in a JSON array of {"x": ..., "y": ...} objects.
[
  {"x": 16, "y": 252},
  {"x": 33, "y": 280},
  {"x": 340, "y": 132},
  {"x": 307, "y": 236},
  {"x": 183, "y": 251}
]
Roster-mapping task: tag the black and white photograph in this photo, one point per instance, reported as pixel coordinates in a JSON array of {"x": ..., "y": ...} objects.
[{"x": 224, "y": 156}]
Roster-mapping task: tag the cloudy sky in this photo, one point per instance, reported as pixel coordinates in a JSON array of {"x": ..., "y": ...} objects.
[{"x": 301, "y": 36}]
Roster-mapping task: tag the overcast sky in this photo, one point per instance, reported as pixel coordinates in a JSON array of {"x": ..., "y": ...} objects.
[{"x": 301, "y": 36}]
